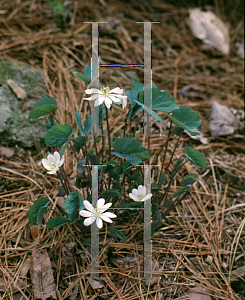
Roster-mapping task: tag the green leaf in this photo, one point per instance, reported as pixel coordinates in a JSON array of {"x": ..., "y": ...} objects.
[
  {"x": 87, "y": 71},
  {"x": 133, "y": 93},
  {"x": 178, "y": 130},
  {"x": 195, "y": 157},
  {"x": 155, "y": 187},
  {"x": 41, "y": 213},
  {"x": 134, "y": 205},
  {"x": 178, "y": 163},
  {"x": 79, "y": 142},
  {"x": 81, "y": 165},
  {"x": 34, "y": 209},
  {"x": 161, "y": 100},
  {"x": 189, "y": 179},
  {"x": 118, "y": 234},
  {"x": 186, "y": 118},
  {"x": 51, "y": 121},
  {"x": 135, "y": 160},
  {"x": 89, "y": 124},
  {"x": 56, "y": 222},
  {"x": 94, "y": 158},
  {"x": 124, "y": 167},
  {"x": 67, "y": 143},
  {"x": 80, "y": 202},
  {"x": 162, "y": 178},
  {"x": 43, "y": 107},
  {"x": 180, "y": 191},
  {"x": 79, "y": 123},
  {"x": 80, "y": 75},
  {"x": 99, "y": 112},
  {"x": 58, "y": 135},
  {"x": 110, "y": 194},
  {"x": 85, "y": 183},
  {"x": 71, "y": 205},
  {"x": 151, "y": 112}
]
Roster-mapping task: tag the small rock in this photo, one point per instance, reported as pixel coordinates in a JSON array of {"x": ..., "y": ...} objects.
[{"x": 222, "y": 121}]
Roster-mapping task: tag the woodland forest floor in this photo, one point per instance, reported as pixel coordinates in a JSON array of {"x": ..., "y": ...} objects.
[{"x": 201, "y": 243}]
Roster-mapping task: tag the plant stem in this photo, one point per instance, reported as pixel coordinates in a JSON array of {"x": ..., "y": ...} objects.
[
  {"x": 164, "y": 197},
  {"x": 108, "y": 129},
  {"x": 63, "y": 184},
  {"x": 65, "y": 178},
  {"x": 173, "y": 153},
  {"x": 135, "y": 129},
  {"x": 176, "y": 202},
  {"x": 102, "y": 143}
]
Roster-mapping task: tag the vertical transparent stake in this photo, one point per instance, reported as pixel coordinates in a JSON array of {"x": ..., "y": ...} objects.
[
  {"x": 147, "y": 226},
  {"x": 147, "y": 77},
  {"x": 95, "y": 72},
  {"x": 94, "y": 228}
]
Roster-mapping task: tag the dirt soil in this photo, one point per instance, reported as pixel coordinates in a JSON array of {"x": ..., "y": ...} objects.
[{"x": 200, "y": 247}]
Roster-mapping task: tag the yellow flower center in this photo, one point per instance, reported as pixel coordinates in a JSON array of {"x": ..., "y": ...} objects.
[
  {"x": 105, "y": 90},
  {"x": 140, "y": 196},
  {"x": 98, "y": 213},
  {"x": 53, "y": 165}
]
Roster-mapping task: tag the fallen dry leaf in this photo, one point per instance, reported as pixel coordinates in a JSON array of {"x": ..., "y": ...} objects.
[
  {"x": 209, "y": 28},
  {"x": 198, "y": 293},
  {"x": 20, "y": 93},
  {"x": 42, "y": 275},
  {"x": 95, "y": 284},
  {"x": 35, "y": 231},
  {"x": 25, "y": 266}
]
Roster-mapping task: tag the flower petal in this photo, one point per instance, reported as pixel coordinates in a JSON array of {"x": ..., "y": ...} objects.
[
  {"x": 141, "y": 190},
  {"x": 89, "y": 221},
  {"x": 116, "y": 90},
  {"x": 135, "y": 192},
  {"x": 53, "y": 171},
  {"x": 56, "y": 156},
  {"x": 99, "y": 223},
  {"x": 100, "y": 203},
  {"x": 94, "y": 97},
  {"x": 108, "y": 215},
  {"x": 147, "y": 197},
  {"x": 134, "y": 197},
  {"x": 114, "y": 99},
  {"x": 108, "y": 102},
  {"x": 51, "y": 158},
  {"x": 106, "y": 219},
  {"x": 46, "y": 164},
  {"x": 92, "y": 91},
  {"x": 89, "y": 206},
  {"x": 86, "y": 213}
]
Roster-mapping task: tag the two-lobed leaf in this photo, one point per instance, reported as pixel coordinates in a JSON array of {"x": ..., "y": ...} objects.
[
  {"x": 189, "y": 179},
  {"x": 71, "y": 206},
  {"x": 34, "y": 209},
  {"x": 56, "y": 222},
  {"x": 186, "y": 118},
  {"x": 195, "y": 157},
  {"x": 58, "y": 135},
  {"x": 42, "y": 107}
]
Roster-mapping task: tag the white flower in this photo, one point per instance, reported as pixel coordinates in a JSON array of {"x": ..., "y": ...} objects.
[
  {"x": 108, "y": 96},
  {"x": 140, "y": 194},
  {"x": 53, "y": 162},
  {"x": 97, "y": 213}
]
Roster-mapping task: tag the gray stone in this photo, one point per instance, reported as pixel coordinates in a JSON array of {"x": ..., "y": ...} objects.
[
  {"x": 222, "y": 121},
  {"x": 15, "y": 129}
]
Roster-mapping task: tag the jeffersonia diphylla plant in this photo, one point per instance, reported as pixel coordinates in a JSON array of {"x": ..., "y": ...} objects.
[{"x": 120, "y": 182}]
